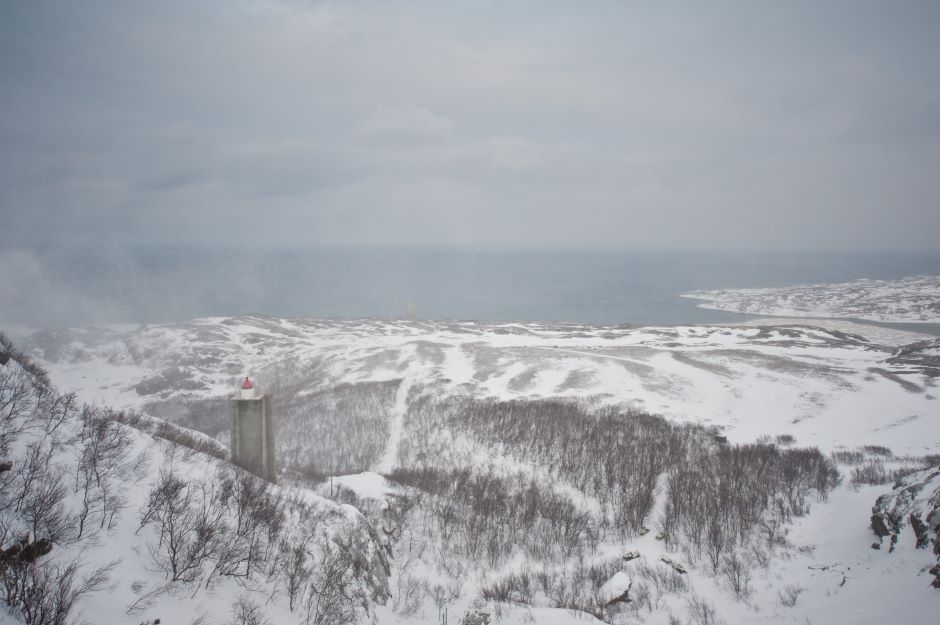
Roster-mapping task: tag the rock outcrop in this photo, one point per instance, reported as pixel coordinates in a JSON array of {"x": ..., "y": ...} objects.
[
  {"x": 923, "y": 356},
  {"x": 915, "y": 500}
]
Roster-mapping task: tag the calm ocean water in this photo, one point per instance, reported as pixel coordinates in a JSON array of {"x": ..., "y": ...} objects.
[{"x": 157, "y": 285}]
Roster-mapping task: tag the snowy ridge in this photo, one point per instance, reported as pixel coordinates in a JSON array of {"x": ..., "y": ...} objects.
[{"x": 909, "y": 300}]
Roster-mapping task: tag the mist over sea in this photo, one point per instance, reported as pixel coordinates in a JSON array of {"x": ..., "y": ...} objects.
[{"x": 55, "y": 288}]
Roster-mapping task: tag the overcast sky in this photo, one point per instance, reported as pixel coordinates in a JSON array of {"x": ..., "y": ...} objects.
[{"x": 505, "y": 123}]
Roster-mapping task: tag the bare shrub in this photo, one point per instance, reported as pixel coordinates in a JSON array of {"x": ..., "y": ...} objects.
[
  {"x": 719, "y": 497},
  {"x": 103, "y": 464},
  {"x": 790, "y": 594},
  {"x": 844, "y": 456},
  {"x": 514, "y": 587},
  {"x": 737, "y": 571},
  {"x": 408, "y": 590},
  {"x": 44, "y": 593},
  {"x": 328, "y": 601},
  {"x": 872, "y": 472},
  {"x": 702, "y": 613},
  {"x": 246, "y": 612},
  {"x": 877, "y": 450},
  {"x": 226, "y": 525},
  {"x": 931, "y": 460},
  {"x": 486, "y": 515},
  {"x": 664, "y": 578}
]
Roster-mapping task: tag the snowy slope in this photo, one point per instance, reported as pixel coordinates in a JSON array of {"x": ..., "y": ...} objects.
[
  {"x": 840, "y": 387},
  {"x": 750, "y": 381},
  {"x": 137, "y": 586}
]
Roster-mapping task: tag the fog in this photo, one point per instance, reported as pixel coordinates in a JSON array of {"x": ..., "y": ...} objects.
[
  {"x": 79, "y": 286},
  {"x": 158, "y": 131}
]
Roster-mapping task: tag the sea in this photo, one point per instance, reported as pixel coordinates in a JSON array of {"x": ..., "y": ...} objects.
[{"x": 638, "y": 287}]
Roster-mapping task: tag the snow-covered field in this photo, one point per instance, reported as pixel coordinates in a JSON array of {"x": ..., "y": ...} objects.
[
  {"x": 828, "y": 387},
  {"x": 838, "y": 388},
  {"x": 909, "y": 300}
]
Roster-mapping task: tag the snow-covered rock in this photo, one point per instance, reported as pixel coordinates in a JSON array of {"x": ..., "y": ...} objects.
[
  {"x": 614, "y": 590},
  {"x": 915, "y": 500}
]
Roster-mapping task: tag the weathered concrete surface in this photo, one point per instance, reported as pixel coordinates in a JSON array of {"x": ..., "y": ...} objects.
[{"x": 253, "y": 435}]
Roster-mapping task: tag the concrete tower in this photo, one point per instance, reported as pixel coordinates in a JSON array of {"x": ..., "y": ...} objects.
[{"x": 253, "y": 431}]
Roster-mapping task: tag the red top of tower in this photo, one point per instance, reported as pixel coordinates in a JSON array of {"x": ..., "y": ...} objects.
[{"x": 247, "y": 384}]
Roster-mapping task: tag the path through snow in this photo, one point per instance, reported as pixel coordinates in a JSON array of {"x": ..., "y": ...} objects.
[{"x": 390, "y": 457}]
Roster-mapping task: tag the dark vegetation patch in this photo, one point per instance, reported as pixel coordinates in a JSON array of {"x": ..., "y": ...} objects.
[
  {"x": 170, "y": 379},
  {"x": 719, "y": 498},
  {"x": 907, "y": 385}
]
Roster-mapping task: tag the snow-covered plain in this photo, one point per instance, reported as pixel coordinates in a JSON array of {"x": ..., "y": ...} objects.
[
  {"x": 837, "y": 388},
  {"x": 828, "y": 387},
  {"x": 909, "y": 300}
]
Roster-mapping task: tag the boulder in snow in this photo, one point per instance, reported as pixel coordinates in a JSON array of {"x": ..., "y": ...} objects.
[
  {"x": 675, "y": 565},
  {"x": 616, "y": 589}
]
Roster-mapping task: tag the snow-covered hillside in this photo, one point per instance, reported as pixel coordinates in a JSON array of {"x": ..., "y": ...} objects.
[
  {"x": 909, "y": 300},
  {"x": 804, "y": 381},
  {"x": 469, "y": 421},
  {"x": 102, "y": 521}
]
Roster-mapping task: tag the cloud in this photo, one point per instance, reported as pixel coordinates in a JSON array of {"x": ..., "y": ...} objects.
[
  {"x": 407, "y": 125},
  {"x": 323, "y": 123}
]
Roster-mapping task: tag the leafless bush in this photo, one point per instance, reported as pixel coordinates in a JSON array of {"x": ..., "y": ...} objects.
[
  {"x": 445, "y": 594},
  {"x": 408, "y": 590},
  {"x": 931, "y": 460},
  {"x": 877, "y": 450},
  {"x": 247, "y": 612},
  {"x": 719, "y": 497},
  {"x": 664, "y": 578},
  {"x": 872, "y": 472},
  {"x": 514, "y": 587},
  {"x": 226, "y": 525},
  {"x": 328, "y": 601},
  {"x": 614, "y": 455},
  {"x": 103, "y": 464},
  {"x": 170, "y": 432},
  {"x": 737, "y": 571},
  {"x": 337, "y": 430},
  {"x": 486, "y": 515},
  {"x": 789, "y": 595},
  {"x": 702, "y": 613},
  {"x": 145, "y": 597},
  {"x": 844, "y": 456},
  {"x": 45, "y": 593}
]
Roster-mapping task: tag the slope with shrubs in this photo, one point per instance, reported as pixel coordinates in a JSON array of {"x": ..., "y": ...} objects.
[
  {"x": 574, "y": 482},
  {"x": 103, "y": 522},
  {"x": 526, "y": 471}
]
